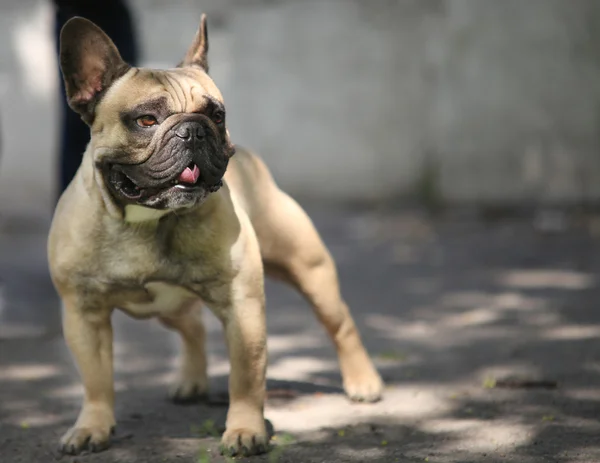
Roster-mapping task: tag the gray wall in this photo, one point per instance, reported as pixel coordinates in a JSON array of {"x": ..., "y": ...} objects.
[{"x": 477, "y": 99}]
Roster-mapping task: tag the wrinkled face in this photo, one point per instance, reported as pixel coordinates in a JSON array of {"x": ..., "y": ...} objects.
[{"x": 159, "y": 138}]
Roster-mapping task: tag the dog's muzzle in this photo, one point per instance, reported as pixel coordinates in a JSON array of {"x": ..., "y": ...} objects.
[{"x": 191, "y": 156}]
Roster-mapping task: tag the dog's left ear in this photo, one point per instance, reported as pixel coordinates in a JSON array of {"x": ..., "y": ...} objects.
[
  {"x": 197, "y": 54},
  {"x": 90, "y": 63}
]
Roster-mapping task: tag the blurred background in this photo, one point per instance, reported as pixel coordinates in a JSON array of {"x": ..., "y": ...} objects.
[
  {"x": 448, "y": 150},
  {"x": 475, "y": 101}
]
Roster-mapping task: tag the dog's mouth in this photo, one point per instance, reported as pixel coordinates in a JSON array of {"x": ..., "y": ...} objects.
[
  {"x": 189, "y": 176},
  {"x": 189, "y": 180}
]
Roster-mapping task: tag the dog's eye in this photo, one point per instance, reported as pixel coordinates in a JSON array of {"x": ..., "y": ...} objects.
[
  {"x": 146, "y": 121},
  {"x": 218, "y": 117}
]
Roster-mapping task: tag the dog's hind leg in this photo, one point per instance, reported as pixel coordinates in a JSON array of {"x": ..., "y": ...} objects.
[
  {"x": 192, "y": 382},
  {"x": 292, "y": 250}
]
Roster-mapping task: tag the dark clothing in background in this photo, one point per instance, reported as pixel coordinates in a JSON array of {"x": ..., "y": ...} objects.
[{"x": 114, "y": 17}]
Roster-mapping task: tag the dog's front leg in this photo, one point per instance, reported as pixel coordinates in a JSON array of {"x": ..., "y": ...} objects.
[
  {"x": 88, "y": 333},
  {"x": 245, "y": 331}
]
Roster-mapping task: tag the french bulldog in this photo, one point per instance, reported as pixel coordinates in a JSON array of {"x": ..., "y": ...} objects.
[{"x": 161, "y": 219}]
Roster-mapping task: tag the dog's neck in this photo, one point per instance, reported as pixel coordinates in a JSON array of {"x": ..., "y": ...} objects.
[{"x": 134, "y": 213}]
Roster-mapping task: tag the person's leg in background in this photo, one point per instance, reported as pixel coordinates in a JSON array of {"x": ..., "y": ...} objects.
[{"x": 115, "y": 18}]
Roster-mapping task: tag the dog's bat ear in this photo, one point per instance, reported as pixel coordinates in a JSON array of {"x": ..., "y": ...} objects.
[
  {"x": 197, "y": 54},
  {"x": 90, "y": 63}
]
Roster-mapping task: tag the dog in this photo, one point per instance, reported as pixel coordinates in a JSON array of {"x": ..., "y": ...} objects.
[{"x": 162, "y": 219}]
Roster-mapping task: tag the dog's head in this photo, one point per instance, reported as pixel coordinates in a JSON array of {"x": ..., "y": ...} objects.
[{"x": 159, "y": 138}]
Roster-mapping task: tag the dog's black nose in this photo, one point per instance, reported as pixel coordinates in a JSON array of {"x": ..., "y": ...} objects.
[{"x": 190, "y": 130}]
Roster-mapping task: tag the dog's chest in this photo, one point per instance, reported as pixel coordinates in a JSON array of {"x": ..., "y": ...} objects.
[
  {"x": 174, "y": 256},
  {"x": 164, "y": 299},
  {"x": 158, "y": 272}
]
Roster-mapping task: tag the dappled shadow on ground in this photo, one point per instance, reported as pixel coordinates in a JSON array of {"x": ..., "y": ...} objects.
[{"x": 488, "y": 337}]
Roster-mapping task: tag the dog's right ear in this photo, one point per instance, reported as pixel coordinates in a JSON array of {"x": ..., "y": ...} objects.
[
  {"x": 197, "y": 54},
  {"x": 90, "y": 63}
]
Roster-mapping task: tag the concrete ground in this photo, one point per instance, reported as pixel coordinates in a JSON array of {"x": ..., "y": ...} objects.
[{"x": 487, "y": 334}]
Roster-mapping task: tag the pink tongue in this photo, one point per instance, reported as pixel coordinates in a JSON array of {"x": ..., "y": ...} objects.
[{"x": 189, "y": 175}]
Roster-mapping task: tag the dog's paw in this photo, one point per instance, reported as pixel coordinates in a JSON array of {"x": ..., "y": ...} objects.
[
  {"x": 188, "y": 391},
  {"x": 91, "y": 432},
  {"x": 364, "y": 387},
  {"x": 244, "y": 442},
  {"x": 79, "y": 439}
]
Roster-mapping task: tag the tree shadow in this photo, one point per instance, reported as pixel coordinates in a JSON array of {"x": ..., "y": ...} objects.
[{"x": 448, "y": 310}]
